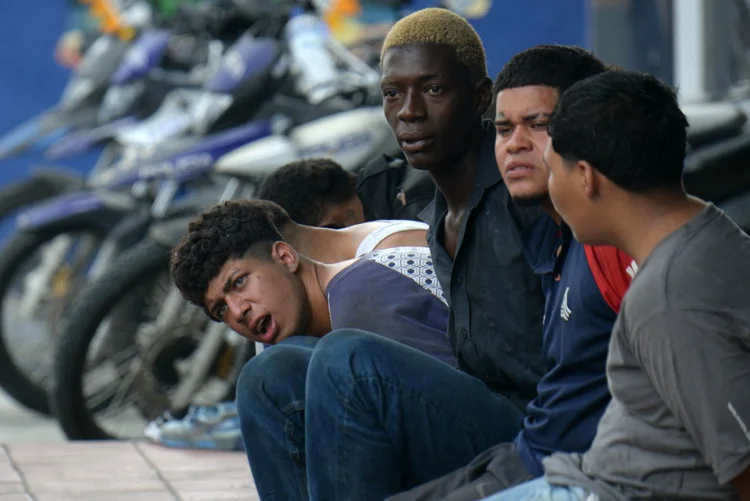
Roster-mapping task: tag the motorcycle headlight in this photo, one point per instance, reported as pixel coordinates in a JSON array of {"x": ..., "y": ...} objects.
[
  {"x": 206, "y": 109},
  {"x": 119, "y": 99}
]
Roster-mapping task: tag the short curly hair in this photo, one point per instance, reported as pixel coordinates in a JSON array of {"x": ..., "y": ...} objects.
[
  {"x": 551, "y": 65},
  {"x": 305, "y": 189},
  {"x": 231, "y": 230},
  {"x": 440, "y": 26}
]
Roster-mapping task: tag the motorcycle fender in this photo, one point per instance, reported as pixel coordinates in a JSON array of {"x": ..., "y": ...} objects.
[
  {"x": 169, "y": 232},
  {"x": 58, "y": 177},
  {"x": 97, "y": 209}
]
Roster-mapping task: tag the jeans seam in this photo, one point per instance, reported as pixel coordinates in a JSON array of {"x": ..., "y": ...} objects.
[{"x": 298, "y": 456}]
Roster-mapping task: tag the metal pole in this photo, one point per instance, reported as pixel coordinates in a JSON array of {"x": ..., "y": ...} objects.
[{"x": 690, "y": 50}]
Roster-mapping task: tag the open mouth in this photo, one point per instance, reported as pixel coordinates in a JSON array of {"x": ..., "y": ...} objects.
[
  {"x": 262, "y": 326},
  {"x": 265, "y": 329}
]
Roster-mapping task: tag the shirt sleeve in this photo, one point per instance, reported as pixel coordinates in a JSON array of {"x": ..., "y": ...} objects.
[
  {"x": 700, "y": 365},
  {"x": 613, "y": 272}
]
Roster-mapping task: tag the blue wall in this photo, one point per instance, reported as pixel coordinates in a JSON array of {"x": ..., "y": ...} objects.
[
  {"x": 512, "y": 26},
  {"x": 30, "y": 80}
]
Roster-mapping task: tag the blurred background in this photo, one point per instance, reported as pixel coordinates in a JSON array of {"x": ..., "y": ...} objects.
[{"x": 122, "y": 118}]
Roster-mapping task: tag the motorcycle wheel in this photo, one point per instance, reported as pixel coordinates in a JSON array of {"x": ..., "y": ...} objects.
[
  {"x": 137, "y": 267},
  {"x": 17, "y": 251},
  {"x": 27, "y": 192}
]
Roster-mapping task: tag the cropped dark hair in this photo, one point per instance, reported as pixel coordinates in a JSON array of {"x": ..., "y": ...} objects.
[
  {"x": 557, "y": 66},
  {"x": 627, "y": 125},
  {"x": 305, "y": 189},
  {"x": 231, "y": 230}
]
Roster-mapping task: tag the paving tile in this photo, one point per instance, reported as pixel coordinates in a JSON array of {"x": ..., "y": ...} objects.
[
  {"x": 167, "y": 460},
  {"x": 11, "y": 488},
  {"x": 17, "y": 497},
  {"x": 74, "y": 452},
  {"x": 8, "y": 473},
  {"x": 215, "y": 483},
  {"x": 86, "y": 485},
  {"x": 231, "y": 474},
  {"x": 221, "y": 495},
  {"x": 91, "y": 471},
  {"x": 108, "y": 496}
]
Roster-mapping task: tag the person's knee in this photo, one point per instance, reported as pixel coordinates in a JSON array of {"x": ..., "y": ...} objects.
[
  {"x": 275, "y": 378},
  {"x": 346, "y": 355}
]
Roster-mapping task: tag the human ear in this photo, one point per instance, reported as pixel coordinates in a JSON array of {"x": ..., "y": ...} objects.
[
  {"x": 483, "y": 95},
  {"x": 588, "y": 178},
  {"x": 284, "y": 254}
]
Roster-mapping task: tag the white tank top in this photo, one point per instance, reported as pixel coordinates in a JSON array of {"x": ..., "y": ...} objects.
[{"x": 373, "y": 239}]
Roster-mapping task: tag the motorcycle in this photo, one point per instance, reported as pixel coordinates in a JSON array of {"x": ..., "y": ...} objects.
[
  {"x": 77, "y": 108},
  {"x": 158, "y": 61},
  {"x": 110, "y": 92},
  {"x": 38, "y": 226},
  {"x": 116, "y": 85}
]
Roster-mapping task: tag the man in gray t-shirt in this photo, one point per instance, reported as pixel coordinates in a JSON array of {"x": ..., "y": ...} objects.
[{"x": 678, "y": 425}]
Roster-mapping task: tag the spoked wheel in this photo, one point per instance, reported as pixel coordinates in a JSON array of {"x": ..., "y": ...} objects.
[
  {"x": 132, "y": 350},
  {"x": 40, "y": 271}
]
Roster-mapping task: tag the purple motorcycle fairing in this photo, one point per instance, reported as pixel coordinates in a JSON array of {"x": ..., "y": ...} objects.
[
  {"x": 79, "y": 142},
  {"x": 190, "y": 163},
  {"x": 142, "y": 56},
  {"x": 247, "y": 57},
  {"x": 58, "y": 208}
]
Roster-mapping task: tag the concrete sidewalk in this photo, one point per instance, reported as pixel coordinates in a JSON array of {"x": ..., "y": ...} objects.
[
  {"x": 18, "y": 425},
  {"x": 38, "y": 464},
  {"x": 121, "y": 471}
]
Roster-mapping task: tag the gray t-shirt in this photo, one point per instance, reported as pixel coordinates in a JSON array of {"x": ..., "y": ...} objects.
[{"x": 679, "y": 373}]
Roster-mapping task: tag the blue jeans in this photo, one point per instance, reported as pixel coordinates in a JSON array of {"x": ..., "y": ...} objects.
[
  {"x": 541, "y": 490},
  {"x": 382, "y": 417},
  {"x": 372, "y": 418},
  {"x": 270, "y": 406}
]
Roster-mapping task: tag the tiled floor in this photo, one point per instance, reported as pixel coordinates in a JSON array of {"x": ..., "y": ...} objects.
[{"x": 121, "y": 471}]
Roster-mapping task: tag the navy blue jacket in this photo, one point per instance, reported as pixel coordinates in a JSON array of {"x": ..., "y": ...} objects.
[{"x": 584, "y": 287}]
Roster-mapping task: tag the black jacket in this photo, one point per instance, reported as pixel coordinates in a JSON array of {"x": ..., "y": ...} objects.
[{"x": 391, "y": 189}]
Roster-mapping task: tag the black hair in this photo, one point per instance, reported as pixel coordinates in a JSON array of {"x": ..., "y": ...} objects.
[
  {"x": 305, "y": 189},
  {"x": 628, "y": 125},
  {"x": 557, "y": 66},
  {"x": 231, "y": 230}
]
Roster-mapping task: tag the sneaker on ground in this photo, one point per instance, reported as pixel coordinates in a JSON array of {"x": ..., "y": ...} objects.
[{"x": 214, "y": 427}]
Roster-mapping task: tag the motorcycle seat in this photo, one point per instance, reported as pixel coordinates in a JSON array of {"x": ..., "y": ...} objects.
[{"x": 710, "y": 122}]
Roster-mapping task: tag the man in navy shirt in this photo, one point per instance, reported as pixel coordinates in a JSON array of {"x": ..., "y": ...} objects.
[{"x": 583, "y": 286}]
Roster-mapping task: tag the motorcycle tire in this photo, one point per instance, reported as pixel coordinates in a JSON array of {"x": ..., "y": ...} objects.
[
  {"x": 19, "y": 248},
  {"x": 28, "y": 192},
  {"x": 92, "y": 306}
]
